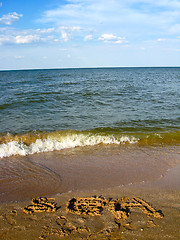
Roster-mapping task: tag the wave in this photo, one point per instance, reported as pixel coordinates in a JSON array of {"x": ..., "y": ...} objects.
[
  {"x": 45, "y": 142},
  {"x": 35, "y": 142}
]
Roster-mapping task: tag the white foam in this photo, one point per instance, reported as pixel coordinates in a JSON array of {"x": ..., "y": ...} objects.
[
  {"x": 69, "y": 141},
  {"x": 12, "y": 148}
]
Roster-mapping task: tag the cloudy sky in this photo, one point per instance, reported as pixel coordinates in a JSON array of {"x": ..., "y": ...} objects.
[{"x": 89, "y": 33}]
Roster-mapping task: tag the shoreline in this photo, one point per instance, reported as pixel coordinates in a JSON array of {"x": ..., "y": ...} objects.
[
  {"x": 161, "y": 193},
  {"x": 81, "y": 169}
]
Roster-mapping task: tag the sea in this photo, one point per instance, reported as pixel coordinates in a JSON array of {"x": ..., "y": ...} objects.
[
  {"x": 52, "y": 110},
  {"x": 47, "y": 110}
]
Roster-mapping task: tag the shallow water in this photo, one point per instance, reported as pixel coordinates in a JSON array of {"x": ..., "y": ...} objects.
[{"x": 88, "y": 168}]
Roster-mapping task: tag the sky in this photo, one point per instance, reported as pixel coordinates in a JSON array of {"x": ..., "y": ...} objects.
[{"x": 42, "y": 34}]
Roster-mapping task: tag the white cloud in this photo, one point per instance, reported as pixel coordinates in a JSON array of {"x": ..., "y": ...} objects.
[
  {"x": 10, "y": 17},
  {"x": 9, "y": 35},
  {"x": 75, "y": 13},
  {"x": 0, "y": 4},
  {"x": 12, "y": 36},
  {"x": 67, "y": 32},
  {"x": 88, "y": 37},
  {"x": 65, "y": 36},
  {"x": 79, "y": 20},
  {"x": 93, "y": 11},
  {"x": 141, "y": 19},
  {"x": 5, "y": 39},
  {"x": 72, "y": 28},
  {"x": 46, "y": 30},
  {"x": 110, "y": 38},
  {"x": 26, "y": 39}
]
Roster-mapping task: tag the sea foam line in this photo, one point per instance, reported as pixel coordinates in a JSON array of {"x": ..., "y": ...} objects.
[{"x": 49, "y": 144}]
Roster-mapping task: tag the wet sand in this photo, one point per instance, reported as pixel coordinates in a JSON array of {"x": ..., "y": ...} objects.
[
  {"x": 88, "y": 168},
  {"x": 148, "y": 173}
]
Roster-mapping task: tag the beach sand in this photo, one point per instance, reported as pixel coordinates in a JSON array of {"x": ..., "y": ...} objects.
[{"x": 103, "y": 192}]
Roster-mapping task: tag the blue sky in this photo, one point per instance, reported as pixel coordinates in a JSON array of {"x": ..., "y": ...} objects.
[{"x": 89, "y": 33}]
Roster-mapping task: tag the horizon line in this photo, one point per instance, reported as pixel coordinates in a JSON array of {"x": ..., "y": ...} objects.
[{"x": 99, "y": 67}]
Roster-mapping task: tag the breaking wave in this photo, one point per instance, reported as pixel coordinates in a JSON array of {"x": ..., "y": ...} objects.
[
  {"x": 24, "y": 145},
  {"x": 37, "y": 142}
]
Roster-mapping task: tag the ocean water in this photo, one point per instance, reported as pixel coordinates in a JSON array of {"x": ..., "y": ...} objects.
[{"x": 47, "y": 110}]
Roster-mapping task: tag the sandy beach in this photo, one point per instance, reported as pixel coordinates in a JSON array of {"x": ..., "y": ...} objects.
[{"x": 112, "y": 193}]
